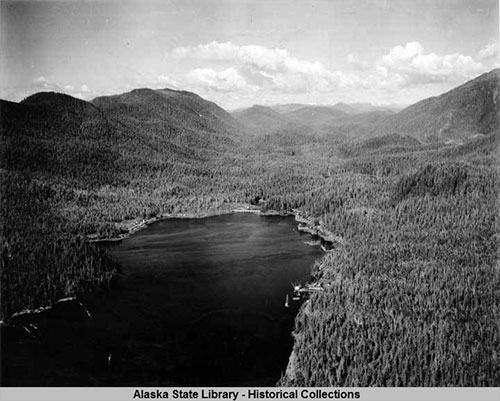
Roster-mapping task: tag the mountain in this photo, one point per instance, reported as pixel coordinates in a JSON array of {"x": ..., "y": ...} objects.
[
  {"x": 182, "y": 117},
  {"x": 133, "y": 139},
  {"x": 346, "y": 108},
  {"x": 316, "y": 115},
  {"x": 470, "y": 109},
  {"x": 261, "y": 119},
  {"x": 349, "y": 108},
  {"x": 286, "y": 108},
  {"x": 368, "y": 118},
  {"x": 413, "y": 225},
  {"x": 57, "y": 135},
  {"x": 358, "y": 108}
]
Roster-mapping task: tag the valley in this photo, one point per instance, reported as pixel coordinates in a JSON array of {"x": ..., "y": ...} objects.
[{"x": 411, "y": 290}]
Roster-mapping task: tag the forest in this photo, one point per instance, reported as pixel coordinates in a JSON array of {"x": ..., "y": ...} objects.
[{"x": 412, "y": 292}]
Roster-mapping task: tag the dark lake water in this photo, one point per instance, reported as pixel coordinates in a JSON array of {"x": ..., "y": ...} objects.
[{"x": 200, "y": 302}]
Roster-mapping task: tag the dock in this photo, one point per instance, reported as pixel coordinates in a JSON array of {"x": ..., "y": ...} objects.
[{"x": 299, "y": 290}]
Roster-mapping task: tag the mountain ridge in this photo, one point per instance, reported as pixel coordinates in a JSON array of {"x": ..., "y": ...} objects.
[{"x": 469, "y": 109}]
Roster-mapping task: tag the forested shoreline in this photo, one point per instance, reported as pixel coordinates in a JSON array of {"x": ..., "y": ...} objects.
[{"x": 412, "y": 286}]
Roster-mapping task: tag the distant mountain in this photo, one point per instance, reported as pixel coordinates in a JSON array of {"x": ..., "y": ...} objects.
[
  {"x": 368, "y": 118},
  {"x": 348, "y": 108},
  {"x": 470, "y": 109},
  {"x": 310, "y": 119},
  {"x": 285, "y": 108},
  {"x": 358, "y": 108},
  {"x": 261, "y": 119},
  {"x": 316, "y": 115}
]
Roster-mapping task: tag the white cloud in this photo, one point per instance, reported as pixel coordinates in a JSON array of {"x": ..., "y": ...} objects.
[
  {"x": 211, "y": 51},
  {"x": 220, "y": 70},
  {"x": 489, "y": 52},
  {"x": 357, "y": 63},
  {"x": 168, "y": 81},
  {"x": 253, "y": 67},
  {"x": 415, "y": 67},
  {"x": 227, "y": 80},
  {"x": 403, "y": 54},
  {"x": 42, "y": 84}
]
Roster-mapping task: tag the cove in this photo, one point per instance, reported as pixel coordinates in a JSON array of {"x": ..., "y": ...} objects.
[{"x": 199, "y": 302}]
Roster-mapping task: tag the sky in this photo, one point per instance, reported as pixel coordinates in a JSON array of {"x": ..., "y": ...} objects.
[{"x": 243, "y": 52}]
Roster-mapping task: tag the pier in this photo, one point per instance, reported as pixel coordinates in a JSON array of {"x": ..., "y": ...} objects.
[{"x": 299, "y": 290}]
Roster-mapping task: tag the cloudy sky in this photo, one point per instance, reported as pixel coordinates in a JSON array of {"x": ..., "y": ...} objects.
[{"x": 243, "y": 52}]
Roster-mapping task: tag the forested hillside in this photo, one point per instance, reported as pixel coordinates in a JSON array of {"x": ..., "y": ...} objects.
[
  {"x": 411, "y": 293},
  {"x": 455, "y": 116},
  {"x": 70, "y": 169},
  {"x": 261, "y": 119},
  {"x": 359, "y": 108},
  {"x": 470, "y": 109},
  {"x": 412, "y": 284},
  {"x": 317, "y": 116}
]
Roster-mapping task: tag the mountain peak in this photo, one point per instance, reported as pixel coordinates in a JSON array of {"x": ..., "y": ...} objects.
[{"x": 51, "y": 99}]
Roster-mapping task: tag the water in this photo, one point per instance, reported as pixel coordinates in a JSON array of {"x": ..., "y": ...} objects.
[{"x": 201, "y": 303}]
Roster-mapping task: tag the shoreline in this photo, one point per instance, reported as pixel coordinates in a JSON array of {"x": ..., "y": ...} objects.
[
  {"x": 41, "y": 309},
  {"x": 305, "y": 224},
  {"x": 136, "y": 224}
]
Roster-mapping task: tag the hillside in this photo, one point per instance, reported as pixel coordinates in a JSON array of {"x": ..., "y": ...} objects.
[
  {"x": 316, "y": 115},
  {"x": 358, "y": 108},
  {"x": 410, "y": 282},
  {"x": 387, "y": 143},
  {"x": 261, "y": 119},
  {"x": 472, "y": 108},
  {"x": 177, "y": 115},
  {"x": 55, "y": 134},
  {"x": 349, "y": 108},
  {"x": 84, "y": 166},
  {"x": 286, "y": 108}
]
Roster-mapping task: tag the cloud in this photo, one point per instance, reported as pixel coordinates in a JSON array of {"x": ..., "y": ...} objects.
[
  {"x": 357, "y": 63},
  {"x": 168, "y": 81},
  {"x": 412, "y": 66},
  {"x": 254, "y": 67},
  {"x": 489, "y": 52},
  {"x": 210, "y": 51},
  {"x": 225, "y": 70},
  {"x": 42, "y": 84},
  {"x": 227, "y": 80}
]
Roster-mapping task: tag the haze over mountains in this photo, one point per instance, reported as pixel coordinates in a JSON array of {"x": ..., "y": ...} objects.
[
  {"x": 262, "y": 119},
  {"x": 463, "y": 112},
  {"x": 187, "y": 121},
  {"x": 154, "y": 130},
  {"x": 472, "y": 108}
]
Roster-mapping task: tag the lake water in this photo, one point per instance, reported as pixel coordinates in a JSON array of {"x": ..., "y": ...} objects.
[{"x": 200, "y": 302}]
